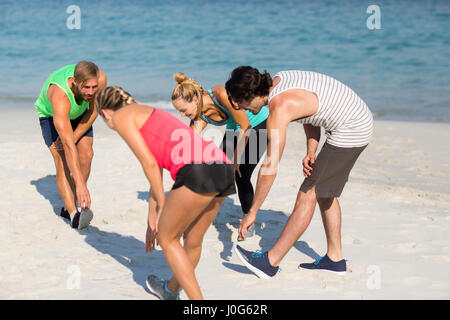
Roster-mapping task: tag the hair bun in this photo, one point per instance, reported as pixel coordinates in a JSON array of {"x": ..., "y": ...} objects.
[{"x": 180, "y": 77}]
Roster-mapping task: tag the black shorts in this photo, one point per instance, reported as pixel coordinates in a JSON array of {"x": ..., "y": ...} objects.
[
  {"x": 331, "y": 170},
  {"x": 207, "y": 178},
  {"x": 49, "y": 131}
]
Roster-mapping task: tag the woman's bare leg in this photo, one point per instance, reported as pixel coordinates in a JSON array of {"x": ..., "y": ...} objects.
[
  {"x": 182, "y": 207},
  {"x": 193, "y": 237}
]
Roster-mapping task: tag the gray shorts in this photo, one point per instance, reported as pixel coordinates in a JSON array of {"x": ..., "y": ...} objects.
[{"x": 331, "y": 170}]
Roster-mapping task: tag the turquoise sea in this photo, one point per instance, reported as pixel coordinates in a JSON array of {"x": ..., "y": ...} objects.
[{"x": 401, "y": 70}]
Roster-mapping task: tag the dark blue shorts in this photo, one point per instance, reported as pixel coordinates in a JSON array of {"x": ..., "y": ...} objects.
[{"x": 49, "y": 131}]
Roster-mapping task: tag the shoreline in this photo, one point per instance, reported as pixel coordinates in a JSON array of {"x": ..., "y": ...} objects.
[{"x": 19, "y": 105}]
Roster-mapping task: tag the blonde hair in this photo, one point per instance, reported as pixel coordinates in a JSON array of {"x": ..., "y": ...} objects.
[
  {"x": 112, "y": 98},
  {"x": 187, "y": 89},
  {"x": 84, "y": 71}
]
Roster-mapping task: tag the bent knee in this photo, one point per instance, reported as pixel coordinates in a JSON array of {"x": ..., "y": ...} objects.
[
  {"x": 86, "y": 157},
  {"x": 59, "y": 158},
  {"x": 309, "y": 195},
  {"x": 190, "y": 242},
  {"x": 305, "y": 199},
  {"x": 166, "y": 240}
]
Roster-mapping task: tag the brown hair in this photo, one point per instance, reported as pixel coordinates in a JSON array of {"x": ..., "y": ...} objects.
[
  {"x": 188, "y": 89},
  {"x": 246, "y": 83},
  {"x": 112, "y": 98},
  {"x": 85, "y": 70}
]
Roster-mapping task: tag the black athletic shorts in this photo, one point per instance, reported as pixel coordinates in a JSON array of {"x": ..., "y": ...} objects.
[{"x": 207, "y": 178}]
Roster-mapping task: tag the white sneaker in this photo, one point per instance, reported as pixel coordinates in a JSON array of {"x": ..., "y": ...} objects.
[{"x": 85, "y": 218}]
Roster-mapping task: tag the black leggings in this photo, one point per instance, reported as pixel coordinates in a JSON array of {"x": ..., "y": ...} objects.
[{"x": 254, "y": 150}]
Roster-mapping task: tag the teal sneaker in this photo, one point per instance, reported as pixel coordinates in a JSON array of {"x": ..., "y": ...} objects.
[{"x": 158, "y": 287}]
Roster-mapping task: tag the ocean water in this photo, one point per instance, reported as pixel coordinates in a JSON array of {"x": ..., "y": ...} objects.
[{"x": 401, "y": 70}]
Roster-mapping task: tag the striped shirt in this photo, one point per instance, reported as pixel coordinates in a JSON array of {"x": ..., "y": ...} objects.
[{"x": 345, "y": 117}]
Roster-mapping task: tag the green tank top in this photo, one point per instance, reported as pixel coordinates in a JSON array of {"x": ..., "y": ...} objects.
[{"x": 59, "y": 77}]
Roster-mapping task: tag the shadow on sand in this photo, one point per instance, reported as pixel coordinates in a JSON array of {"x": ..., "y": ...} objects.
[
  {"x": 130, "y": 252},
  {"x": 46, "y": 186},
  {"x": 268, "y": 225},
  {"x": 127, "y": 250}
]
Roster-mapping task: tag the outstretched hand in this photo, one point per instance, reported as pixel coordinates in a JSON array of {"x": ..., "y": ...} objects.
[
  {"x": 246, "y": 224},
  {"x": 83, "y": 196},
  {"x": 151, "y": 240}
]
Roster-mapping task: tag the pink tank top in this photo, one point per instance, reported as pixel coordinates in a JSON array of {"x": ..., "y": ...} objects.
[{"x": 174, "y": 144}]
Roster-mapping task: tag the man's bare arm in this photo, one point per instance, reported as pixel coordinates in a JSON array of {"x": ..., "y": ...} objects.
[
  {"x": 61, "y": 108},
  {"x": 277, "y": 124},
  {"x": 312, "y": 138}
]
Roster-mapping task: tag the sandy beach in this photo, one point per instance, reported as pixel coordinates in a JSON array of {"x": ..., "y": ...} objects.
[{"x": 395, "y": 207}]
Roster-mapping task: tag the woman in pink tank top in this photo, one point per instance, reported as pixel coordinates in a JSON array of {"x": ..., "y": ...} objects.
[{"x": 203, "y": 178}]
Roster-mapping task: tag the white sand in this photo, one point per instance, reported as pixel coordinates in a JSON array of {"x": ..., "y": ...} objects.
[{"x": 396, "y": 217}]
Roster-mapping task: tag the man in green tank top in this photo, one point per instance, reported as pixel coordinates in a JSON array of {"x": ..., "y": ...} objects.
[{"x": 66, "y": 113}]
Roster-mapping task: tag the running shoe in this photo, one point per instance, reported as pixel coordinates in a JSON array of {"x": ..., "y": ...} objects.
[
  {"x": 74, "y": 222},
  {"x": 326, "y": 264},
  {"x": 257, "y": 262},
  {"x": 64, "y": 213},
  {"x": 85, "y": 218},
  {"x": 158, "y": 287}
]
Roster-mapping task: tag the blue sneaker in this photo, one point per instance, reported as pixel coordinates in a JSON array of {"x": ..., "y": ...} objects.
[
  {"x": 326, "y": 264},
  {"x": 257, "y": 262}
]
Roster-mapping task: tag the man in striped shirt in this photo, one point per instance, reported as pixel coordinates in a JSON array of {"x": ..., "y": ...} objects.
[{"x": 316, "y": 101}]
